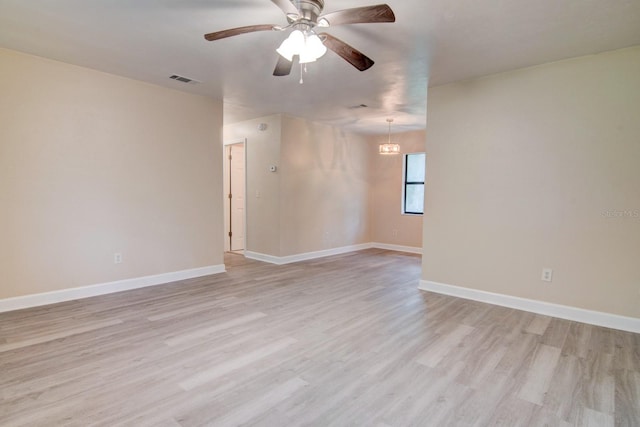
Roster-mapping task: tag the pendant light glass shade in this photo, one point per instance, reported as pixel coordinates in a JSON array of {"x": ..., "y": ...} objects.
[{"x": 388, "y": 147}]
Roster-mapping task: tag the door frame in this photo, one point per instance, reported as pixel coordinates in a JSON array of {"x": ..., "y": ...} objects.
[{"x": 226, "y": 205}]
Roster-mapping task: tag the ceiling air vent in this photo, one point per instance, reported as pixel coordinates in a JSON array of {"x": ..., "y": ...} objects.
[{"x": 184, "y": 79}]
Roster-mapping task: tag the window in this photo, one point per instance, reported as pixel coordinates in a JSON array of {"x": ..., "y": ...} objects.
[{"x": 413, "y": 191}]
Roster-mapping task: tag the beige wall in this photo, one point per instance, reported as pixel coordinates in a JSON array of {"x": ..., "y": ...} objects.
[
  {"x": 388, "y": 224},
  {"x": 92, "y": 164},
  {"x": 263, "y": 187},
  {"x": 318, "y": 198},
  {"x": 324, "y": 187},
  {"x": 522, "y": 169}
]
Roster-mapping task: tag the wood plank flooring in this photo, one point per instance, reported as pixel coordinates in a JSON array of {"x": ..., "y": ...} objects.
[{"x": 339, "y": 341}]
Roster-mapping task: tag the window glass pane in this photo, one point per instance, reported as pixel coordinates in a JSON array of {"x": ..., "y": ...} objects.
[
  {"x": 414, "y": 196},
  {"x": 415, "y": 167}
]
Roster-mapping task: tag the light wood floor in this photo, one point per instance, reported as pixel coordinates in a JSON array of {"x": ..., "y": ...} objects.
[{"x": 340, "y": 341}]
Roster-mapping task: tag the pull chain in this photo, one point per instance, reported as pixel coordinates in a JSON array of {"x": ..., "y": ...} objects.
[{"x": 301, "y": 71}]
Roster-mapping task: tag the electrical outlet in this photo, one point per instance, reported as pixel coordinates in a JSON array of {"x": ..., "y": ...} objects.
[
  {"x": 117, "y": 258},
  {"x": 394, "y": 232},
  {"x": 547, "y": 275}
]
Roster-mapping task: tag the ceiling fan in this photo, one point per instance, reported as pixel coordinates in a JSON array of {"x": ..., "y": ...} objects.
[{"x": 304, "y": 17}]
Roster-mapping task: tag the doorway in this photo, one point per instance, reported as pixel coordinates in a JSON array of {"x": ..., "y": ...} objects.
[{"x": 235, "y": 183}]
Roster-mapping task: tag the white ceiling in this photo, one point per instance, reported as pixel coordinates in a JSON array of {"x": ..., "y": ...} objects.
[{"x": 433, "y": 42}]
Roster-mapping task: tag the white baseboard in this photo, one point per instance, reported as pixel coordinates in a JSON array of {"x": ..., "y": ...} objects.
[
  {"x": 598, "y": 318},
  {"x": 328, "y": 252},
  {"x": 305, "y": 256},
  {"x": 397, "y": 248},
  {"x": 262, "y": 257},
  {"x": 34, "y": 300}
]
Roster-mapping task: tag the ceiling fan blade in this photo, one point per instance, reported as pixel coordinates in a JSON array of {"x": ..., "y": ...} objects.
[
  {"x": 283, "y": 67},
  {"x": 236, "y": 31},
  {"x": 286, "y": 6},
  {"x": 360, "y": 15},
  {"x": 348, "y": 53}
]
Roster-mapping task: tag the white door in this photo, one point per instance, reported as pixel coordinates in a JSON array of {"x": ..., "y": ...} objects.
[{"x": 237, "y": 185}]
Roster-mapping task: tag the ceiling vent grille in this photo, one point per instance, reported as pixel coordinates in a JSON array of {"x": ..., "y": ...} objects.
[{"x": 184, "y": 79}]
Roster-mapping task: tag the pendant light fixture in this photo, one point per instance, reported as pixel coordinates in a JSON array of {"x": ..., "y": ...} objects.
[{"x": 388, "y": 147}]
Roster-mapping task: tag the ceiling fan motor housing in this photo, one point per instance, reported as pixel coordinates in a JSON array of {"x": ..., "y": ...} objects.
[{"x": 309, "y": 9}]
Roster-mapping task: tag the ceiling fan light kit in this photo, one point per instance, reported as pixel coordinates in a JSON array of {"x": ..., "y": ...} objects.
[
  {"x": 307, "y": 46},
  {"x": 304, "y": 44}
]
